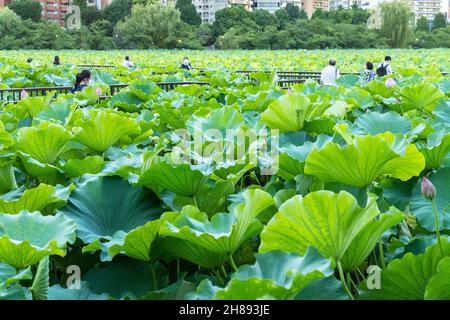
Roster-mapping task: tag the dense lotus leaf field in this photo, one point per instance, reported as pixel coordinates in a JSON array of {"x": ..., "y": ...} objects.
[{"x": 106, "y": 199}]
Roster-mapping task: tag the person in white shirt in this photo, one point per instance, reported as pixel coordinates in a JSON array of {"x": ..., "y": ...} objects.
[
  {"x": 385, "y": 67},
  {"x": 127, "y": 63},
  {"x": 329, "y": 74}
]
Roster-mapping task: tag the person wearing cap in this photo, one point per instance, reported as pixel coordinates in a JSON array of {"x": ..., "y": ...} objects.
[{"x": 329, "y": 74}]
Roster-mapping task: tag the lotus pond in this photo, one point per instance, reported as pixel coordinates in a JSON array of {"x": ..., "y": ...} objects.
[{"x": 105, "y": 199}]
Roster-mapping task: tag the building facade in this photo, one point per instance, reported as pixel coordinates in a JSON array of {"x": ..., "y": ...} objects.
[
  {"x": 55, "y": 10},
  {"x": 207, "y": 8},
  {"x": 346, "y": 4},
  {"x": 312, "y": 5},
  {"x": 427, "y": 8}
]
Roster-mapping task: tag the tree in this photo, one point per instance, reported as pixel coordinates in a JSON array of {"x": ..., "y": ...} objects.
[
  {"x": 89, "y": 14},
  {"x": 303, "y": 15},
  {"x": 422, "y": 24},
  {"x": 396, "y": 21},
  {"x": 439, "y": 21},
  {"x": 148, "y": 26},
  {"x": 293, "y": 12},
  {"x": 188, "y": 12},
  {"x": 318, "y": 14},
  {"x": 118, "y": 10},
  {"x": 264, "y": 19},
  {"x": 235, "y": 16},
  {"x": 27, "y": 9}
]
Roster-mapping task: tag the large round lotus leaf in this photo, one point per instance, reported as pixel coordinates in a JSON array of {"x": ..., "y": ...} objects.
[
  {"x": 422, "y": 207},
  {"x": 106, "y": 205},
  {"x": 25, "y": 238},
  {"x": 374, "y": 123}
]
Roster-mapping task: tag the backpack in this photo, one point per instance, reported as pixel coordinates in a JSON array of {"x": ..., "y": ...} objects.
[{"x": 381, "y": 70}]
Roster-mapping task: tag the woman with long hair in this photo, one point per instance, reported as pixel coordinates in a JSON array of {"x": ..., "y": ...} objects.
[{"x": 81, "y": 81}]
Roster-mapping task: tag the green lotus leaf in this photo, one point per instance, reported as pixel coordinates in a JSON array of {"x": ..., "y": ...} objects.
[
  {"x": 338, "y": 109},
  {"x": 288, "y": 113},
  {"x": 367, "y": 238},
  {"x": 422, "y": 208},
  {"x": 136, "y": 243},
  {"x": 126, "y": 101},
  {"x": 104, "y": 206},
  {"x": 7, "y": 178},
  {"x": 210, "y": 199},
  {"x": 221, "y": 119},
  {"x": 293, "y": 157},
  {"x": 168, "y": 248},
  {"x": 374, "y": 123},
  {"x": 436, "y": 150},
  {"x": 77, "y": 167},
  {"x": 59, "y": 110},
  {"x": 328, "y": 288},
  {"x": 176, "y": 291},
  {"x": 39, "y": 288},
  {"x": 408, "y": 278},
  {"x": 144, "y": 89},
  {"x": 39, "y": 198},
  {"x": 89, "y": 96},
  {"x": 423, "y": 95},
  {"x": 439, "y": 284},
  {"x": 181, "y": 179},
  {"x": 322, "y": 219},
  {"x": 277, "y": 274},
  {"x": 31, "y": 106},
  {"x": 14, "y": 292},
  {"x": 364, "y": 160},
  {"x": 5, "y": 136},
  {"x": 126, "y": 278},
  {"x": 104, "y": 77},
  {"x": 225, "y": 232},
  {"x": 9, "y": 275},
  {"x": 100, "y": 129},
  {"x": 57, "y": 292},
  {"x": 360, "y": 98},
  {"x": 26, "y": 238},
  {"x": 44, "y": 142},
  {"x": 35, "y": 168},
  {"x": 380, "y": 89}
]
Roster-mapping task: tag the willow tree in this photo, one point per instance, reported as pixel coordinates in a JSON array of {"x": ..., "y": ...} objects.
[{"x": 396, "y": 22}]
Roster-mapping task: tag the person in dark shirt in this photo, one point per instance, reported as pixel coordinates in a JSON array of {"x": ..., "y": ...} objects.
[
  {"x": 56, "y": 61},
  {"x": 82, "y": 81},
  {"x": 186, "y": 64}
]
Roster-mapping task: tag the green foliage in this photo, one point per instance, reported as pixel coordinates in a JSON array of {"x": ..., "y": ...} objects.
[
  {"x": 27, "y": 9},
  {"x": 150, "y": 25},
  {"x": 396, "y": 23},
  {"x": 188, "y": 12},
  {"x": 439, "y": 21}
]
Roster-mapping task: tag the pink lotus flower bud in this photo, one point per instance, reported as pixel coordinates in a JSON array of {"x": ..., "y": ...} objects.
[
  {"x": 390, "y": 83},
  {"x": 23, "y": 94},
  {"x": 428, "y": 189},
  {"x": 98, "y": 91}
]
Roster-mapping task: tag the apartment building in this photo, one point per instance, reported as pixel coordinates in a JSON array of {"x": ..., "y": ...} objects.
[
  {"x": 207, "y": 8},
  {"x": 312, "y": 5},
  {"x": 427, "y": 8},
  {"x": 55, "y": 10},
  {"x": 346, "y": 4}
]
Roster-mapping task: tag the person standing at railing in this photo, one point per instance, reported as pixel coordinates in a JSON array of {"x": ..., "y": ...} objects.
[
  {"x": 329, "y": 74},
  {"x": 368, "y": 74},
  {"x": 82, "y": 81},
  {"x": 385, "y": 67},
  {"x": 186, "y": 64},
  {"x": 127, "y": 63}
]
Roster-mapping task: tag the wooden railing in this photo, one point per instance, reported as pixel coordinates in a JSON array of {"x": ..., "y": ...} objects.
[
  {"x": 95, "y": 66},
  {"x": 14, "y": 94}
]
